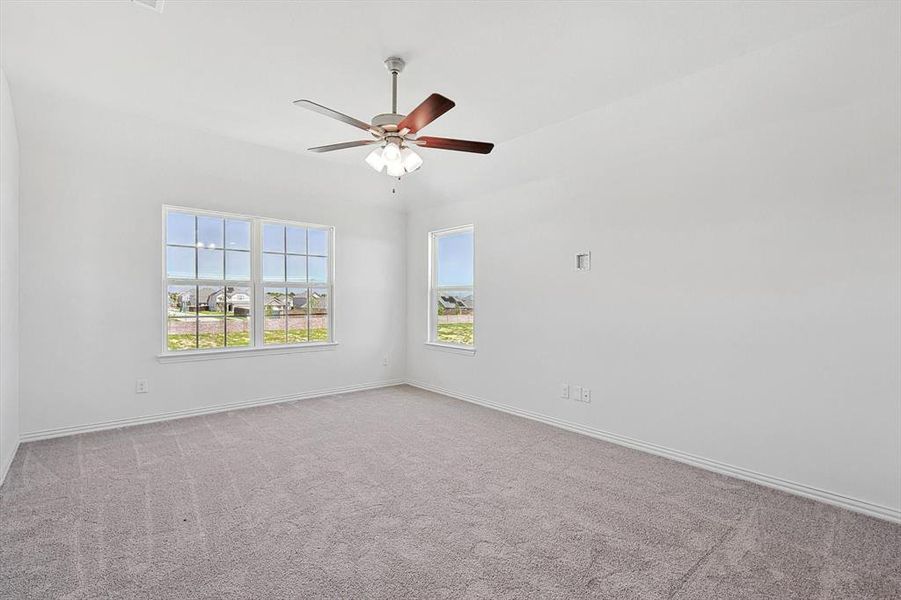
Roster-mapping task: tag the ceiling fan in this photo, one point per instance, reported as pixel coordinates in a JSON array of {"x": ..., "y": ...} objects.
[{"x": 395, "y": 133}]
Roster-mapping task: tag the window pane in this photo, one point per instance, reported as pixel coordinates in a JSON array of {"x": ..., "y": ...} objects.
[
  {"x": 209, "y": 232},
  {"x": 273, "y": 238},
  {"x": 296, "y": 239},
  {"x": 318, "y": 269},
  {"x": 237, "y": 235},
  {"x": 210, "y": 300},
  {"x": 180, "y": 229},
  {"x": 211, "y": 332},
  {"x": 274, "y": 315},
  {"x": 181, "y": 334},
  {"x": 319, "y": 307},
  {"x": 297, "y": 316},
  {"x": 182, "y": 301},
  {"x": 455, "y": 317},
  {"x": 455, "y": 259},
  {"x": 318, "y": 241},
  {"x": 209, "y": 264},
  {"x": 180, "y": 262},
  {"x": 181, "y": 325},
  {"x": 273, "y": 267},
  {"x": 237, "y": 322},
  {"x": 210, "y": 321},
  {"x": 237, "y": 264},
  {"x": 297, "y": 268}
]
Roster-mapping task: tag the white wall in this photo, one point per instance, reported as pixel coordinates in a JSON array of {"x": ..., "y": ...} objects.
[
  {"x": 9, "y": 279},
  {"x": 93, "y": 183},
  {"x": 743, "y": 303}
]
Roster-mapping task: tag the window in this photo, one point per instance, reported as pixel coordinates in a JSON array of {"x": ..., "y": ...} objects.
[
  {"x": 295, "y": 275},
  {"x": 236, "y": 282},
  {"x": 451, "y": 290}
]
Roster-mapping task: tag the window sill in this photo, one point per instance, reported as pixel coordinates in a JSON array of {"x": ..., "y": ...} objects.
[
  {"x": 179, "y": 357},
  {"x": 466, "y": 350}
]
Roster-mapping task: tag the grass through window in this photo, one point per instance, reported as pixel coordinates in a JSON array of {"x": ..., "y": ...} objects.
[{"x": 455, "y": 333}]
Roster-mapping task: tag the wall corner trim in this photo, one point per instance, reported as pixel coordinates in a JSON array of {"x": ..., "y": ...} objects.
[{"x": 799, "y": 489}]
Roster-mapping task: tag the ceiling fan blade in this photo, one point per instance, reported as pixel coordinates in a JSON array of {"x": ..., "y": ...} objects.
[
  {"x": 324, "y": 110},
  {"x": 459, "y": 145},
  {"x": 431, "y": 108},
  {"x": 344, "y": 145}
]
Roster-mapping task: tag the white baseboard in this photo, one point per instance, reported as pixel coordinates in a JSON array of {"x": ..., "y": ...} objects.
[
  {"x": 45, "y": 434},
  {"x": 799, "y": 489},
  {"x": 4, "y": 468}
]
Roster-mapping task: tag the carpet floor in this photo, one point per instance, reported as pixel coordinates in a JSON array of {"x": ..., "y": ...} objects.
[{"x": 400, "y": 493}]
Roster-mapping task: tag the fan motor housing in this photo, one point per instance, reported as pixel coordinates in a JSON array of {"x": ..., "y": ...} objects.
[{"x": 387, "y": 121}]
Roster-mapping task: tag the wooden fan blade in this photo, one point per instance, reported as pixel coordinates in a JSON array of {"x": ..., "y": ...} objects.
[
  {"x": 324, "y": 110},
  {"x": 344, "y": 145},
  {"x": 459, "y": 145},
  {"x": 431, "y": 108}
]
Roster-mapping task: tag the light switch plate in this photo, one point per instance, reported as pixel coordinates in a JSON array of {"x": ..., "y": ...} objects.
[{"x": 564, "y": 390}]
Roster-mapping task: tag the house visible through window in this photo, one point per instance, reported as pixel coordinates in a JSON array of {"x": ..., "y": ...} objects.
[
  {"x": 452, "y": 292},
  {"x": 241, "y": 282}
]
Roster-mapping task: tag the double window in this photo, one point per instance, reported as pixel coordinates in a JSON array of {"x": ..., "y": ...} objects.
[
  {"x": 242, "y": 282},
  {"x": 451, "y": 287}
]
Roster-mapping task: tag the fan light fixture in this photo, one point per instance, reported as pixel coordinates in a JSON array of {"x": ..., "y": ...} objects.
[
  {"x": 394, "y": 133},
  {"x": 396, "y": 160}
]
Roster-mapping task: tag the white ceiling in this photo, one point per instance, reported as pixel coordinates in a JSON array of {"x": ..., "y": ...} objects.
[{"x": 233, "y": 68}]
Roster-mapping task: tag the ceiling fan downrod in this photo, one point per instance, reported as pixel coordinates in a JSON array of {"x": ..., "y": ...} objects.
[{"x": 396, "y": 66}]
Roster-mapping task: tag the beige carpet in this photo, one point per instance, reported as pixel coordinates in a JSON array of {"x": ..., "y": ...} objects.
[{"x": 399, "y": 493}]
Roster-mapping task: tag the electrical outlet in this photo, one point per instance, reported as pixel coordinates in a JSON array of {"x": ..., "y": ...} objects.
[
  {"x": 142, "y": 386},
  {"x": 564, "y": 391},
  {"x": 385, "y": 362},
  {"x": 586, "y": 395},
  {"x": 575, "y": 392}
]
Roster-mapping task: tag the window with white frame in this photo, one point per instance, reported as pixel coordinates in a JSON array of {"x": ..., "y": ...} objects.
[
  {"x": 236, "y": 282},
  {"x": 451, "y": 287}
]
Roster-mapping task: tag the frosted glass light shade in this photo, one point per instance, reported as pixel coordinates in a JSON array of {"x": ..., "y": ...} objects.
[
  {"x": 396, "y": 169},
  {"x": 391, "y": 152},
  {"x": 375, "y": 160},
  {"x": 412, "y": 161}
]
